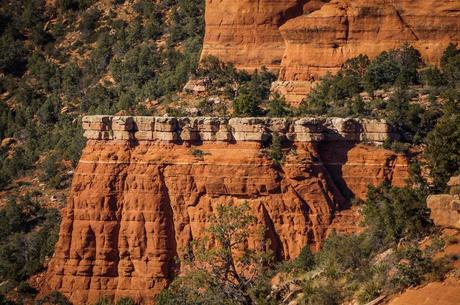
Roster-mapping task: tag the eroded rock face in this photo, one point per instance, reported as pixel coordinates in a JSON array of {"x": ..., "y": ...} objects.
[
  {"x": 321, "y": 41},
  {"x": 141, "y": 194},
  {"x": 246, "y": 32},
  {"x": 445, "y": 208},
  {"x": 308, "y": 41}
]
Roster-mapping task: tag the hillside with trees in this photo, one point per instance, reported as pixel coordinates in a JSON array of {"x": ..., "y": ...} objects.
[{"x": 60, "y": 60}]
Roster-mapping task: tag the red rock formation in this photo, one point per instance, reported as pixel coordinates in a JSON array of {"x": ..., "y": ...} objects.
[
  {"x": 245, "y": 32},
  {"x": 445, "y": 208},
  {"x": 135, "y": 205},
  {"x": 321, "y": 41}
]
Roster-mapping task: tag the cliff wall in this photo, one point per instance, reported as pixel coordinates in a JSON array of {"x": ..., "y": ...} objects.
[
  {"x": 141, "y": 192},
  {"x": 320, "y": 42},
  {"x": 246, "y": 32},
  {"x": 306, "y": 39}
]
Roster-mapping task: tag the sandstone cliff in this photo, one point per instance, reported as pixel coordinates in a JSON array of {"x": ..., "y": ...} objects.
[
  {"x": 321, "y": 41},
  {"x": 141, "y": 193},
  {"x": 246, "y": 32},
  {"x": 318, "y": 37}
]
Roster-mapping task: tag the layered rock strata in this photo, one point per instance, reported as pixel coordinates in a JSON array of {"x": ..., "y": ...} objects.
[
  {"x": 445, "y": 208},
  {"x": 145, "y": 187},
  {"x": 246, "y": 32},
  {"x": 321, "y": 41},
  {"x": 307, "y": 39},
  {"x": 202, "y": 129}
]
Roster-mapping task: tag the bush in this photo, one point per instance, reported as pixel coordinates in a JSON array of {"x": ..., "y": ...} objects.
[
  {"x": 275, "y": 151},
  {"x": 305, "y": 261},
  {"x": 432, "y": 76},
  {"x": 450, "y": 64},
  {"x": 323, "y": 294},
  {"x": 340, "y": 253},
  {"x": 247, "y": 105},
  {"x": 30, "y": 233},
  {"x": 412, "y": 268},
  {"x": 393, "y": 213},
  {"x": 443, "y": 143},
  {"x": 277, "y": 107},
  {"x": 391, "y": 67},
  {"x": 54, "y": 298},
  {"x": 12, "y": 52},
  {"x": 45, "y": 72}
]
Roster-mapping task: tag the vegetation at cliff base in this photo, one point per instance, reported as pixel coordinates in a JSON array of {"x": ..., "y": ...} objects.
[
  {"x": 227, "y": 272},
  {"x": 29, "y": 232}
]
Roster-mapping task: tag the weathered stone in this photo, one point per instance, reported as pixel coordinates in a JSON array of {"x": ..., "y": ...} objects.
[
  {"x": 246, "y": 32},
  {"x": 305, "y": 39},
  {"x": 98, "y": 135},
  {"x": 238, "y": 129},
  {"x": 196, "y": 86},
  {"x": 445, "y": 210},
  {"x": 166, "y": 124},
  {"x": 97, "y": 122},
  {"x": 454, "y": 181},
  {"x": 144, "y": 123},
  {"x": 122, "y": 123}
]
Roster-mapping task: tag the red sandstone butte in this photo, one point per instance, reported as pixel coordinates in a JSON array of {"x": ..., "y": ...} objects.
[{"x": 140, "y": 195}]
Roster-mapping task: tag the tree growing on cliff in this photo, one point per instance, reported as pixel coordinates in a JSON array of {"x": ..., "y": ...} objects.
[
  {"x": 443, "y": 143},
  {"x": 222, "y": 269}
]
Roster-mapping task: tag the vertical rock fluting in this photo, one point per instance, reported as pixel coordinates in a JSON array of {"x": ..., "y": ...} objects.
[
  {"x": 245, "y": 32},
  {"x": 137, "y": 199}
]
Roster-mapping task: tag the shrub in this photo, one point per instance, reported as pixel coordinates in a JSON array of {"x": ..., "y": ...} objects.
[
  {"x": 275, "y": 151},
  {"x": 395, "y": 66},
  {"x": 12, "y": 52},
  {"x": 30, "y": 233},
  {"x": 45, "y": 72},
  {"x": 214, "y": 278},
  {"x": 54, "y": 298},
  {"x": 277, "y": 106},
  {"x": 443, "y": 143},
  {"x": 432, "y": 76},
  {"x": 393, "y": 213},
  {"x": 125, "y": 301},
  {"x": 103, "y": 301},
  {"x": 305, "y": 261},
  {"x": 412, "y": 268},
  {"x": 382, "y": 71},
  {"x": 340, "y": 253},
  {"x": 450, "y": 64},
  {"x": 247, "y": 105},
  {"x": 323, "y": 294},
  {"x": 368, "y": 292},
  {"x": 197, "y": 153}
]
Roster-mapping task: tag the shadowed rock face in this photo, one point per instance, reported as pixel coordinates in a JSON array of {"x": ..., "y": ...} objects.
[{"x": 140, "y": 194}]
